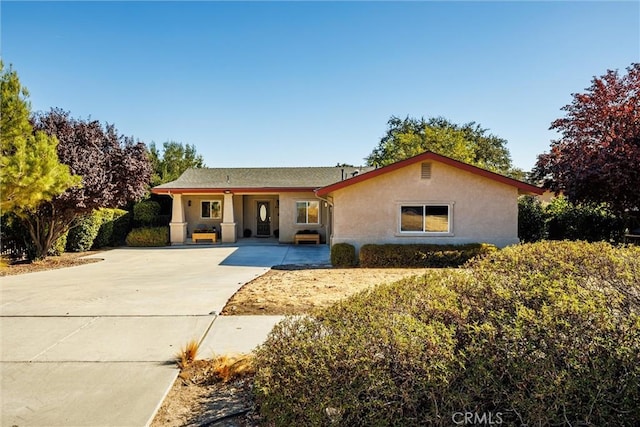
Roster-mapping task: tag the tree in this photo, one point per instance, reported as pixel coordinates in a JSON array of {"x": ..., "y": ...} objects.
[
  {"x": 31, "y": 171},
  {"x": 597, "y": 158},
  {"x": 173, "y": 161},
  {"x": 114, "y": 171},
  {"x": 468, "y": 143}
]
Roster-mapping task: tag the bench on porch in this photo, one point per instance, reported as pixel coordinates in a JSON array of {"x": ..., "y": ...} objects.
[
  {"x": 202, "y": 233},
  {"x": 306, "y": 236}
]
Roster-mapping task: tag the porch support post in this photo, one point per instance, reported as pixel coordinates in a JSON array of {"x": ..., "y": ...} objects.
[
  {"x": 177, "y": 226},
  {"x": 228, "y": 225}
]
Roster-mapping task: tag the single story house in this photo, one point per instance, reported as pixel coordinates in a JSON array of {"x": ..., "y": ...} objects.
[{"x": 428, "y": 198}]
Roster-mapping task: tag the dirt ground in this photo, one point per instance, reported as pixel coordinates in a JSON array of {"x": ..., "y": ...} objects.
[
  {"x": 69, "y": 259},
  {"x": 279, "y": 291},
  {"x": 298, "y": 291}
]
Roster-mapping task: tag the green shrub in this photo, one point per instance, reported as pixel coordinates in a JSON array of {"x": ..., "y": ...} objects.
[
  {"x": 82, "y": 235},
  {"x": 531, "y": 219},
  {"x": 146, "y": 212},
  {"x": 420, "y": 255},
  {"x": 121, "y": 227},
  {"x": 59, "y": 246},
  {"x": 543, "y": 334},
  {"x": 343, "y": 255},
  {"x": 568, "y": 221},
  {"x": 105, "y": 236},
  {"x": 148, "y": 236}
]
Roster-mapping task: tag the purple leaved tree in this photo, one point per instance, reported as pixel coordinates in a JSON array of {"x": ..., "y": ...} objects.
[
  {"x": 597, "y": 158},
  {"x": 114, "y": 170}
]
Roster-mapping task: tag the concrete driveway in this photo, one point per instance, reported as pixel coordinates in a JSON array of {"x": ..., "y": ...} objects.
[{"x": 93, "y": 345}]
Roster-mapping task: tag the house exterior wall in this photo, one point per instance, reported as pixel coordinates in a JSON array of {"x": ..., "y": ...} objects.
[
  {"x": 192, "y": 213},
  {"x": 288, "y": 226},
  {"x": 250, "y": 216},
  {"x": 481, "y": 210}
]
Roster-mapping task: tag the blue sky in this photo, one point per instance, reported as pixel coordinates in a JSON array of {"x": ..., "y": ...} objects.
[{"x": 314, "y": 83}]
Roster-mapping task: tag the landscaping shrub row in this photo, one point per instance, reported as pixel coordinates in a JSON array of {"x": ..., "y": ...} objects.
[
  {"x": 420, "y": 255},
  {"x": 536, "y": 334},
  {"x": 148, "y": 236},
  {"x": 563, "y": 220}
]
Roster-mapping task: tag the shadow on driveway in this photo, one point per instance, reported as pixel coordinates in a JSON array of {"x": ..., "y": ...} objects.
[{"x": 269, "y": 256}]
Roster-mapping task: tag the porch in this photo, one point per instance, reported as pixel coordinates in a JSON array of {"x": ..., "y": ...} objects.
[{"x": 261, "y": 219}]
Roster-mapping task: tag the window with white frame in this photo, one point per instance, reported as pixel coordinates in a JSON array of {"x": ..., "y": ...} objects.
[
  {"x": 308, "y": 212},
  {"x": 424, "y": 218},
  {"x": 210, "y": 209}
]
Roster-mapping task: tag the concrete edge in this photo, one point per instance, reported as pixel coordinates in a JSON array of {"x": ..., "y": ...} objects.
[{"x": 161, "y": 401}]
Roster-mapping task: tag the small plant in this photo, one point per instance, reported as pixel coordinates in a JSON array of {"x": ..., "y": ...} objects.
[
  {"x": 343, "y": 255},
  {"x": 187, "y": 354}
]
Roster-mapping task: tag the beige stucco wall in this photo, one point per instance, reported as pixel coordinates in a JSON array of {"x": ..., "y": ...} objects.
[
  {"x": 192, "y": 213},
  {"x": 288, "y": 226},
  {"x": 483, "y": 210}
]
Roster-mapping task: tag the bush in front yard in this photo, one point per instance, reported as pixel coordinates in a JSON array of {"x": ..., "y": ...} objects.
[
  {"x": 146, "y": 212},
  {"x": 148, "y": 236},
  {"x": 420, "y": 255},
  {"x": 543, "y": 334},
  {"x": 82, "y": 235},
  {"x": 108, "y": 217},
  {"x": 343, "y": 255},
  {"x": 121, "y": 227},
  {"x": 59, "y": 246}
]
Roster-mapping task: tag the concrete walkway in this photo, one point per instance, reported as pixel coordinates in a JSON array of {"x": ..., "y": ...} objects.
[{"x": 93, "y": 345}]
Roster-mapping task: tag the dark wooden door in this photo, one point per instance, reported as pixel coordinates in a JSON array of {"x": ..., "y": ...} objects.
[{"x": 264, "y": 219}]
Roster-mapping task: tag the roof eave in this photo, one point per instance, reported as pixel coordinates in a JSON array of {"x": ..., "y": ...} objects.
[
  {"x": 521, "y": 186},
  {"x": 222, "y": 190}
]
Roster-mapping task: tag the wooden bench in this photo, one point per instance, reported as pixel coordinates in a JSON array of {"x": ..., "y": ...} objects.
[
  {"x": 306, "y": 238},
  {"x": 632, "y": 238},
  {"x": 204, "y": 236}
]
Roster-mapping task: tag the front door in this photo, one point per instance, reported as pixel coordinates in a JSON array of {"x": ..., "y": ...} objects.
[{"x": 264, "y": 219}]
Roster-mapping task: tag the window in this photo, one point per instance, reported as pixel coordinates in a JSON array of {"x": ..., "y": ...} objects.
[
  {"x": 211, "y": 209},
  {"x": 424, "y": 219},
  {"x": 308, "y": 212}
]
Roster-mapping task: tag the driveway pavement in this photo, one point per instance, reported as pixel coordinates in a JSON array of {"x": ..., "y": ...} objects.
[{"x": 93, "y": 345}]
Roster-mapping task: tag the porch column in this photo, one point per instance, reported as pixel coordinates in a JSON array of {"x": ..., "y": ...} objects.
[
  {"x": 177, "y": 226},
  {"x": 228, "y": 225}
]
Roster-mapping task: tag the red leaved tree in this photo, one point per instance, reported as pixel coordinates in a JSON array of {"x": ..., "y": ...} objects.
[
  {"x": 114, "y": 170},
  {"x": 597, "y": 158}
]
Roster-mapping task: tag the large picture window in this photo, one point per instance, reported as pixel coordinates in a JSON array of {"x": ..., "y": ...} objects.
[
  {"x": 308, "y": 212},
  {"x": 211, "y": 209},
  {"x": 425, "y": 219}
]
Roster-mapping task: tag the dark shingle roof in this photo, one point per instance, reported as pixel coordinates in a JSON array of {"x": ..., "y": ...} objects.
[{"x": 257, "y": 178}]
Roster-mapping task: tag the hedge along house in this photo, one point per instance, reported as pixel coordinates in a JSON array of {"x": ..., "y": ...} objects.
[
  {"x": 267, "y": 201},
  {"x": 428, "y": 198}
]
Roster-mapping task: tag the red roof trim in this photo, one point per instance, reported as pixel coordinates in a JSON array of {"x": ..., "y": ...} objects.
[
  {"x": 231, "y": 189},
  {"x": 430, "y": 156}
]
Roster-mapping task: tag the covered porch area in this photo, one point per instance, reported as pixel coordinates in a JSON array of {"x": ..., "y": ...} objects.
[{"x": 231, "y": 217}]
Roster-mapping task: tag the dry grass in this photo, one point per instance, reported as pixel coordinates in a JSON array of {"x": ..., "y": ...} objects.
[
  {"x": 233, "y": 367},
  {"x": 187, "y": 354},
  {"x": 225, "y": 368}
]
